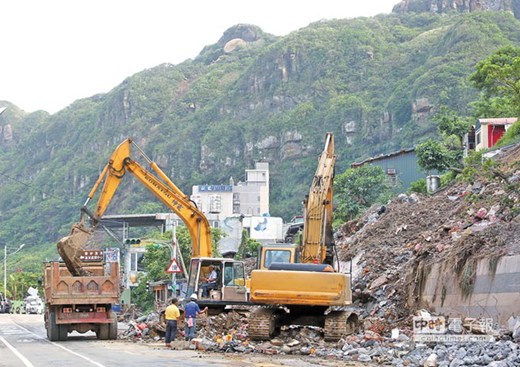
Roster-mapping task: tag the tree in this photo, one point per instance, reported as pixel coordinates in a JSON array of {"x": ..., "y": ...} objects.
[
  {"x": 155, "y": 261},
  {"x": 184, "y": 241},
  {"x": 19, "y": 283},
  {"x": 433, "y": 155},
  {"x": 498, "y": 78},
  {"x": 248, "y": 246},
  {"x": 441, "y": 155},
  {"x": 359, "y": 188},
  {"x": 451, "y": 124}
]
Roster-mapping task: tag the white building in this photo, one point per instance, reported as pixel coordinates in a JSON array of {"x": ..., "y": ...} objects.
[
  {"x": 252, "y": 196},
  {"x": 213, "y": 199},
  {"x": 248, "y": 198}
]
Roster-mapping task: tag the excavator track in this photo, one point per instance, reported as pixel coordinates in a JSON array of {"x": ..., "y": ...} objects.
[
  {"x": 261, "y": 324},
  {"x": 336, "y": 325}
]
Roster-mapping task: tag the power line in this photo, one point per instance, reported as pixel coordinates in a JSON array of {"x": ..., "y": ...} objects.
[{"x": 33, "y": 187}]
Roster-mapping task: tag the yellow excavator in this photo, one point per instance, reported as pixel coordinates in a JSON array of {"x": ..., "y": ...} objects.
[
  {"x": 301, "y": 284},
  {"x": 228, "y": 289}
]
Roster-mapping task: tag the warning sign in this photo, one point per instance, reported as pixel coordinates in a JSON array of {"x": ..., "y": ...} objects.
[{"x": 173, "y": 267}]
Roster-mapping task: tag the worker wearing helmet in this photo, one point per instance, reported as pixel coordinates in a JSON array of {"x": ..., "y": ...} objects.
[{"x": 191, "y": 310}]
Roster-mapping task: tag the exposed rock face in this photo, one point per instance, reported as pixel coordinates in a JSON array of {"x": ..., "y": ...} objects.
[
  {"x": 292, "y": 147},
  {"x": 233, "y": 45},
  {"x": 245, "y": 32},
  {"x": 270, "y": 142},
  {"x": 7, "y": 132},
  {"x": 349, "y": 130},
  {"x": 421, "y": 110},
  {"x": 464, "y": 6}
]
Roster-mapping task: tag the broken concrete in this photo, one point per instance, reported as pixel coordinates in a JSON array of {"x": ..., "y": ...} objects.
[{"x": 455, "y": 253}]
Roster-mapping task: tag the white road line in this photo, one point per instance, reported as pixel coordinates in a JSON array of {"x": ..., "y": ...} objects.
[
  {"x": 62, "y": 347},
  {"x": 16, "y": 353}
]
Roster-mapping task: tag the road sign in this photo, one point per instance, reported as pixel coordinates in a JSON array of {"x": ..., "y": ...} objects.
[{"x": 174, "y": 267}]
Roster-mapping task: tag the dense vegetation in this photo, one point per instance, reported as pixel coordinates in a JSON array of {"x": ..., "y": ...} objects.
[{"x": 375, "y": 82}]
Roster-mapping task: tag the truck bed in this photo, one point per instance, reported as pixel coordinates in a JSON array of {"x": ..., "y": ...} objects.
[{"x": 61, "y": 288}]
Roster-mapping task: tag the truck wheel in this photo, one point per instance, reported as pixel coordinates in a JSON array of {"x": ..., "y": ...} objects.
[
  {"x": 53, "y": 331},
  {"x": 103, "y": 331},
  {"x": 112, "y": 327},
  {"x": 63, "y": 332}
]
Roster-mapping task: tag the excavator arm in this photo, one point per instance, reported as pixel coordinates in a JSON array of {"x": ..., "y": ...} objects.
[
  {"x": 317, "y": 240},
  {"x": 119, "y": 164}
]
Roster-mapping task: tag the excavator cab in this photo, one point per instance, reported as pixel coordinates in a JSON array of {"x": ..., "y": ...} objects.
[
  {"x": 228, "y": 289},
  {"x": 269, "y": 254}
]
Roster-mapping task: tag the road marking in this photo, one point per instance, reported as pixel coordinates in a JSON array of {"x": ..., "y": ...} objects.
[
  {"x": 11, "y": 331},
  {"x": 16, "y": 353},
  {"x": 62, "y": 347}
]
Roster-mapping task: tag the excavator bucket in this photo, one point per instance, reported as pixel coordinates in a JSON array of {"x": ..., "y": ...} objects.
[{"x": 71, "y": 248}]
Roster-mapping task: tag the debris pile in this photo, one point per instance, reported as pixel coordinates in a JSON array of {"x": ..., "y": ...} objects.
[
  {"x": 392, "y": 245},
  {"x": 390, "y": 248},
  {"x": 226, "y": 333}
]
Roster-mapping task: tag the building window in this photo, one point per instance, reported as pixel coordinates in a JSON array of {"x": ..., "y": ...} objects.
[
  {"x": 478, "y": 138},
  {"x": 258, "y": 198},
  {"x": 215, "y": 204}
]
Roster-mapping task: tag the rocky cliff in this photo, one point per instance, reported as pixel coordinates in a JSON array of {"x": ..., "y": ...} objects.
[{"x": 463, "y": 6}]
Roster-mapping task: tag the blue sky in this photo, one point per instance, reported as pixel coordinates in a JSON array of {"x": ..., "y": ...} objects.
[{"x": 57, "y": 51}]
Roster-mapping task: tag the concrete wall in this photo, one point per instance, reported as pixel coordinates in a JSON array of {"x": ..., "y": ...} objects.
[{"x": 496, "y": 290}]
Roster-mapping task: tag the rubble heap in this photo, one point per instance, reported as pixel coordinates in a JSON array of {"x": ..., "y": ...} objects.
[{"x": 391, "y": 247}]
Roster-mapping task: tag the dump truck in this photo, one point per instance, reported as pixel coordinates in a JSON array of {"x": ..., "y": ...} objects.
[{"x": 81, "y": 303}]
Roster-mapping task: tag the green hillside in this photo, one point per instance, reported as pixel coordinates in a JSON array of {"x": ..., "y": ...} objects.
[{"x": 375, "y": 82}]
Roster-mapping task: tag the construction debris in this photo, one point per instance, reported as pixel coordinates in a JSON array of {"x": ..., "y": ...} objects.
[
  {"x": 391, "y": 249},
  {"x": 227, "y": 333}
]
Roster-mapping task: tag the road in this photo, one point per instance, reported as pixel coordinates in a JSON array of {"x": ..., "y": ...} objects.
[{"x": 23, "y": 343}]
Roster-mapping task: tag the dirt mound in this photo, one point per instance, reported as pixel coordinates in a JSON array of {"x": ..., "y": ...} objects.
[{"x": 393, "y": 245}]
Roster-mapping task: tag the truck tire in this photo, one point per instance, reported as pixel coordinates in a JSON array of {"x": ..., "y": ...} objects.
[
  {"x": 103, "y": 331},
  {"x": 112, "y": 327},
  {"x": 63, "y": 329},
  {"x": 53, "y": 331}
]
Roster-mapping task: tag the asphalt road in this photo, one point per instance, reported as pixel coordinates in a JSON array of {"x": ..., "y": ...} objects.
[{"x": 23, "y": 343}]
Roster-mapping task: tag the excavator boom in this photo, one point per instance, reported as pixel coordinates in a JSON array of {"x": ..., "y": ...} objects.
[
  {"x": 317, "y": 228},
  {"x": 162, "y": 187}
]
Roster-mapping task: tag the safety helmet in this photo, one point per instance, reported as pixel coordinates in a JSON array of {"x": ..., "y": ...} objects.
[{"x": 193, "y": 297}]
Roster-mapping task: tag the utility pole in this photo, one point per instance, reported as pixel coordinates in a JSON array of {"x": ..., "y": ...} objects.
[
  {"x": 5, "y": 270},
  {"x": 5, "y": 265}
]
